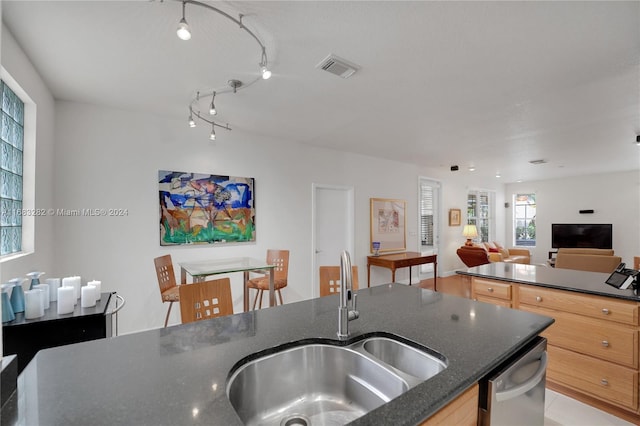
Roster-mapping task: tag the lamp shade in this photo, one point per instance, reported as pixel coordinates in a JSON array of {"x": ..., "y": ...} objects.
[{"x": 470, "y": 231}]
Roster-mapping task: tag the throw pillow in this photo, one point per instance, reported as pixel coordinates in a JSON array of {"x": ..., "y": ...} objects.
[
  {"x": 498, "y": 245},
  {"x": 505, "y": 253},
  {"x": 494, "y": 250}
]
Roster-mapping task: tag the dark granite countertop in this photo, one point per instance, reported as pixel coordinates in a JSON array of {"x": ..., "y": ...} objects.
[
  {"x": 177, "y": 375},
  {"x": 543, "y": 276}
]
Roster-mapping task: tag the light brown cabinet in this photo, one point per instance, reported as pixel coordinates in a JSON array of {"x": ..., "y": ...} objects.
[
  {"x": 462, "y": 411},
  {"x": 593, "y": 345}
]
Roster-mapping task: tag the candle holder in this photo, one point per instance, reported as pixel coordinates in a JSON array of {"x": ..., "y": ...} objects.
[
  {"x": 35, "y": 278},
  {"x": 376, "y": 248}
]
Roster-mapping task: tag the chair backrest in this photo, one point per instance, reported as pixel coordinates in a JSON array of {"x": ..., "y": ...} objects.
[
  {"x": 164, "y": 271},
  {"x": 587, "y": 262},
  {"x": 599, "y": 252},
  {"x": 204, "y": 300},
  {"x": 280, "y": 258},
  {"x": 473, "y": 256},
  {"x": 330, "y": 280},
  {"x": 636, "y": 263}
]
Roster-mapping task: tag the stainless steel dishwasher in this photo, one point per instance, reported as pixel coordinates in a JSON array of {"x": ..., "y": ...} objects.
[{"x": 513, "y": 394}]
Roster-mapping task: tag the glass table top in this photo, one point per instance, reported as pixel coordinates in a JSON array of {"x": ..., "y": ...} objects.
[{"x": 221, "y": 266}]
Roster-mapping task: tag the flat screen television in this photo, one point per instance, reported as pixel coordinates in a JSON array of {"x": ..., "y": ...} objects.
[{"x": 582, "y": 235}]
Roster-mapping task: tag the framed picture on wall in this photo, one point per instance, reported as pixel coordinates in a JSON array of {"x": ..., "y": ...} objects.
[
  {"x": 454, "y": 217},
  {"x": 388, "y": 224},
  {"x": 197, "y": 208}
]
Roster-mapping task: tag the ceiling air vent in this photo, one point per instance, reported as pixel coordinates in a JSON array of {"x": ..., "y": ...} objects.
[
  {"x": 338, "y": 66},
  {"x": 536, "y": 162}
]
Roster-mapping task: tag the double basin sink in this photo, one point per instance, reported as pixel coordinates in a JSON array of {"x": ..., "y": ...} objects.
[{"x": 319, "y": 383}]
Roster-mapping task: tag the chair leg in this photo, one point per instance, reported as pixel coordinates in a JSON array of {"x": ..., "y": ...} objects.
[
  {"x": 166, "y": 320},
  {"x": 260, "y": 294},
  {"x": 255, "y": 301},
  {"x": 280, "y": 294}
]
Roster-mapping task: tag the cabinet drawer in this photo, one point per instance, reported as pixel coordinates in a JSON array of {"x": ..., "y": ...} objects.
[
  {"x": 602, "y": 339},
  {"x": 605, "y": 308},
  {"x": 497, "y": 289},
  {"x": 499, "y": 302},
  {"x": 612, "y": 383}
]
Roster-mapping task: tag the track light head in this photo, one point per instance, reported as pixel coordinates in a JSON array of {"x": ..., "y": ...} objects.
[
  {"x": 212, "y": 108},
  {"x": 183, "y": 31},
  {"x": 192, "y": 123},
  {"x": 212, "y": 136},
  {"x": 266, "y": 74}
]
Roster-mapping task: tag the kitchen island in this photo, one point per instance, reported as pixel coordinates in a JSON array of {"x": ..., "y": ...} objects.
[
  {"x": 594, "y": 343},
  {"x": 178, "y": 375}
]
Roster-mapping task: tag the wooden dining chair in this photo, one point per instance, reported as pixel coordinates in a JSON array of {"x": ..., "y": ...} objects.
[
  {"x": 205, "y": 300},
  {"x": 330, "y": 280},
  {"x": 166, "y": 282},
  {"x": 636, "y": 263},
  {"x": 279, "y": 258}
]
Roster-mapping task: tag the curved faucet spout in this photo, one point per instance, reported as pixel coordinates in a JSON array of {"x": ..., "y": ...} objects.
[{"x": 347, "y": 310}]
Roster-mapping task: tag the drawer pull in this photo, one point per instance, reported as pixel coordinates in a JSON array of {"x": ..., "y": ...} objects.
[
  {"x": 490, "y": 290},
  {"x": 604, "y": 382},
  {"x": 605, "y": 343},
  {"x": 538, "y": 299},
  {"x": 605, "y": 311}
]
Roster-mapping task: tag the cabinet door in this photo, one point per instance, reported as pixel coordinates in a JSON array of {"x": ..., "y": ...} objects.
[
  {"x": 612, "y": 383},
  {"x": 462, "y": 411},
  {"x": 606, "y": 308},
  {"x": 602, "y": 339},
  {"x": 491, "y": 288}
]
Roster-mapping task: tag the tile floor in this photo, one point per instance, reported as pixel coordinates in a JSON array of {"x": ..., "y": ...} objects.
[{"x": 561, "y": 410}]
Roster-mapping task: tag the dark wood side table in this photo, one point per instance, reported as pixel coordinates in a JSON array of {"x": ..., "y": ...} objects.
[
  {"x": 402, "y": 260},
  {"x": 25, "y": 337}
]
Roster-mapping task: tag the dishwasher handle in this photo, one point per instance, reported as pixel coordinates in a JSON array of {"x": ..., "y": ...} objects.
[{"x": 526, "y": 386}]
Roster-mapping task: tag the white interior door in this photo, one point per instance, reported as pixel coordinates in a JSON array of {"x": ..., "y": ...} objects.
[
  {"x": 429, "y": 221},
  {"x": 333, "y": 227}
]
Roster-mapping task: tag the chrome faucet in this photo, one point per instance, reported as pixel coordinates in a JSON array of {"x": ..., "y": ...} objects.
[{"x": 347, "y": 311}]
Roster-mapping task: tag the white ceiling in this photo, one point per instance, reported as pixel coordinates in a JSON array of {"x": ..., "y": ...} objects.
[{"x": 488, "y": 84}]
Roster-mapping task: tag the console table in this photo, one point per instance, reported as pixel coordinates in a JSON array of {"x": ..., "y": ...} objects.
[
  {"x": 25, "y": 337},
  {"x": 401, "y": 260}
]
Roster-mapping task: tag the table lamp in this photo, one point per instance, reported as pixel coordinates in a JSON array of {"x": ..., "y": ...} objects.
[{"x": 469, "y": 232}]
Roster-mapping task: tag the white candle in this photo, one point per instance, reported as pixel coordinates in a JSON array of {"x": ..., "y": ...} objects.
[
  {"x": 33, "y": 304},
  {"x": 75, "y": 283},
  {"x": 66, "y": 297},
  {"x": 53, "y": 283},
  {"x": 45, "y": 294},
  {"x": 98, "y": 286},
  {"x": 88, "y": 298}
]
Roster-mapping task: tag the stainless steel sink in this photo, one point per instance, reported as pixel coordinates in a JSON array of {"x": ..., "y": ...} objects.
[
  {"x": 323, "y": 384},
  {"x": 405, "y": 358}
]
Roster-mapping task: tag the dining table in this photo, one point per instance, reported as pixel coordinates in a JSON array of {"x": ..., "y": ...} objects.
[{"x": 200, "y": 270}]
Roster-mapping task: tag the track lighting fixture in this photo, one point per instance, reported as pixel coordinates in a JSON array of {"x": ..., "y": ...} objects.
[
  {"x": 183, "y": 28},
  {"x": 184, "y": 33}
]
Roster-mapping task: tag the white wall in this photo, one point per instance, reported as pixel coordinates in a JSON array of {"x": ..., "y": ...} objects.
[
  {"x": 109, "y": 158},
  {"x": 614, "y": 197},
  {"x": 18, "y": 66}
]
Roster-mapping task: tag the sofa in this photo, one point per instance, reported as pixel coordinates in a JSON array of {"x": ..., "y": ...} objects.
[
  {"x": 473, "y": 256},
  {"x": 593, "y": 260},
  {"x": 498, "y": 253}
]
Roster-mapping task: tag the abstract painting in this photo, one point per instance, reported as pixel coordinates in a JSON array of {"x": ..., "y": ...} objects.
[{"x": 205, "y": 209}]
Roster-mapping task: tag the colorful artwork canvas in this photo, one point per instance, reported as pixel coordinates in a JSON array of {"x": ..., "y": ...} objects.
[{"x": 205, "y": 209}]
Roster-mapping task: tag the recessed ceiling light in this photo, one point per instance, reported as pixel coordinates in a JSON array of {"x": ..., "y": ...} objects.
[
  {"x": 498, "y": 174},
  {"x": 472, "y": 169}
]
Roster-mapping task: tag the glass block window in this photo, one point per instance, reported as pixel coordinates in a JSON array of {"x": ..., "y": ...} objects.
[{"x": 11, "y": 150}]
